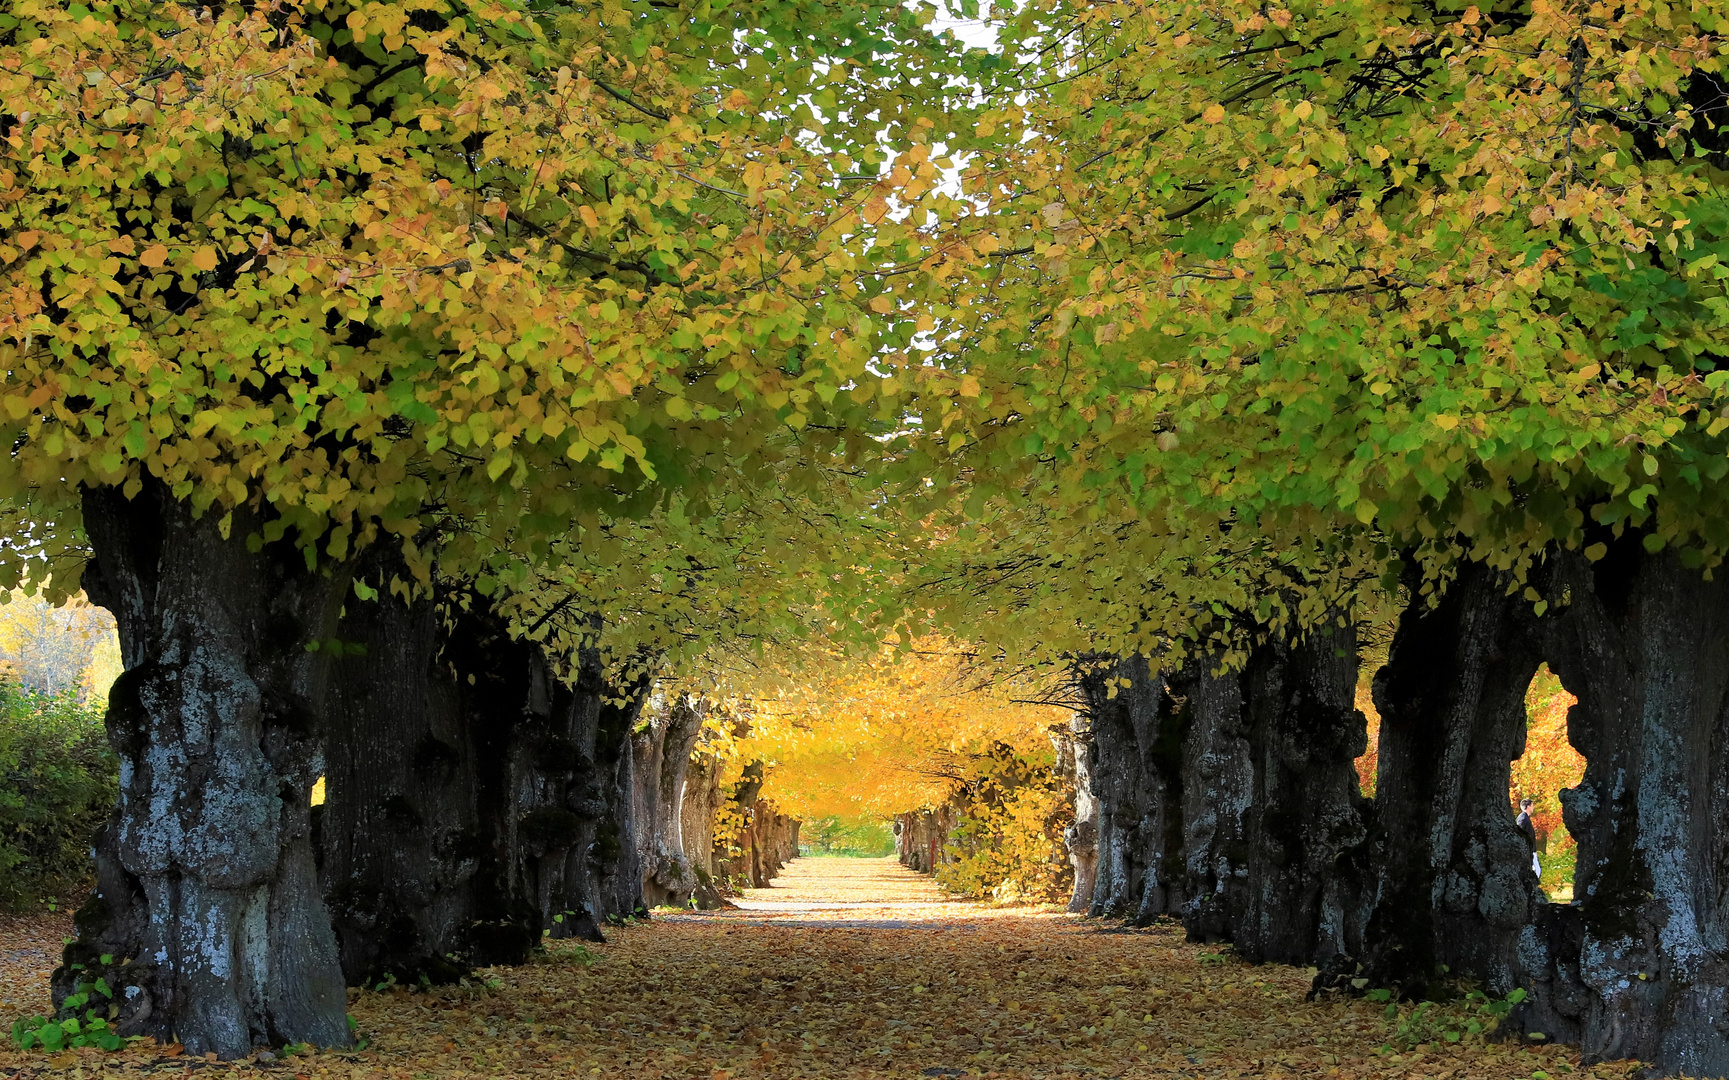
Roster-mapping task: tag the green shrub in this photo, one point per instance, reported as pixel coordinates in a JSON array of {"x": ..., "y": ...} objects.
[
  {"x": 1473, "y": 1018},
  {"x": 70, "y": 1031},
  {"x": 57, "y": 784}
]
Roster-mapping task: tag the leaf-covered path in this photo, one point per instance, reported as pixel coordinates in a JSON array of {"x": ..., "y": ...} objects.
[{"x": 861, "y": 969}]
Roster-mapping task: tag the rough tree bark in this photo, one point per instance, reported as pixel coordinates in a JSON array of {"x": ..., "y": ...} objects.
[
  {"x": 922, "y": 835},
  {"x": 660, "y": 752},
  {"x": 1082, "y": 838},
  {"x": 1307, "y": 820},
  {"x": 1136, "y": 768},
  {"x": 1453, "y": 884},
  {"x": 1639, "y": 966},
  {"x": 399, "y": 837},
  {"x": 208, "y": 898},
  {"x": 704, "y": 795},
  {"x": 614, "y": 870},
  {"x": 1216, "y": 784}
]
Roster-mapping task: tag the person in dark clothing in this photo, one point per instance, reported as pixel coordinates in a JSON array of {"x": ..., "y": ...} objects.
[{"x": 1529, "y": 828}]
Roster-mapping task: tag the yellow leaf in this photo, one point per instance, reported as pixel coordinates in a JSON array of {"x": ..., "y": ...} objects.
[
  {"x": 205, "y": 259},
  {"x": 154, "y": 255},
  {"x": 969, "y": 386},
  {"x": 882, "y": 305},
  {"x": 1214, "y": 114},
  {"x": 1446, "y": 422},
  {"x": 589, "y": 217}
]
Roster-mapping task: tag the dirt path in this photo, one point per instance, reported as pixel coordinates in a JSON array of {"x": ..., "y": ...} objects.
[{"x": 855, "y": 969}]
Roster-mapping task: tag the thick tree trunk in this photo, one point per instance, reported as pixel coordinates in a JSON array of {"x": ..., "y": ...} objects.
[
  {"x": 1217, "y": 782},
  {"x": 1307, "y": 821},
  {"x": 1230, "y": 798},
  {"x": 400, "y": 841},
  {"x": 704, "y": 795},
  {"x": 1137, "y": 778},
  {"x": 208, "y": 895},
  {"x": 1082, "y": 838},
  {"x": 660, "y": 760},
  {"x": 1639, "y": 967},
  {"x": 517, "y": 715},
  {"x": 613, "y": 866},
  {"x": 921, "y": 837},
  {"x": 1454, "y": 882}
]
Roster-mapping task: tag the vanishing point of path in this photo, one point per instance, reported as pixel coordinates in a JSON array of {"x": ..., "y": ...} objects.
[{"x": 850, "y": 969}]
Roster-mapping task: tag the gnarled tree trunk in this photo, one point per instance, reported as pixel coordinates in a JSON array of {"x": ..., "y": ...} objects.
[
  {"x": 921, "y": 837},
  {"x": 208, "y": 898},
  {"x": 614, "y": 869},
  {"x": 399, "y": 835},
  {"x": 1306, "y": 821},
  {"x": 518, "y": 714},
  {"x": 593, "y": 878},
  {"x": 1454, "y": 881},
  {"x": 1217, "y": 781},
  {"x": 1639, "y": 966},
  {"x": 1137, "y": 778},
  {"x": 1082, "y": 837},
  {"x": 660, "y": 753}
]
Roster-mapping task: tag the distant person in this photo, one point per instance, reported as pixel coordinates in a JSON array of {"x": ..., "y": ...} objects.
[{"x": 1529, "y": 828}]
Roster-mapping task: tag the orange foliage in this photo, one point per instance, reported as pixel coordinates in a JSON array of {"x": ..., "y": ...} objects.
[
  {"x": 1549, "y": 763},
  {"x": 1371, "y": 759},
  {"x": 855, "y": 737}
]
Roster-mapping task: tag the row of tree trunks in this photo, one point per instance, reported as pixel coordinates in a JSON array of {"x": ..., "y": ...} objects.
[
  {"x": 474, "y": 801},
  {"x": 1244, "y": 781},
  {"x": 705, "y": 795},
  {"x": 1228, "y": 799},
  {"x": 766, "y": 843},
  {"x": 471, "y": 795},
  {"x": 759, "y": 840}
]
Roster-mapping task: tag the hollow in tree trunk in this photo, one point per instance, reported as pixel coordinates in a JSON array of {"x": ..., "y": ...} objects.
[
  {"x": 1641, "y": 962},
  {"x": 208, "y": 905}
]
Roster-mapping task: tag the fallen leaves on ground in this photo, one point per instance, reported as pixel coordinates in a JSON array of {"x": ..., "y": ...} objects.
[
  {"x": 29, "y": 950},
  {"x": 855, "y": 969}
]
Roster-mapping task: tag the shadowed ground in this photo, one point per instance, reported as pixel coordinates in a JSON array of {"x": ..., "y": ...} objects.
[{"x": 854, "y": 969}]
